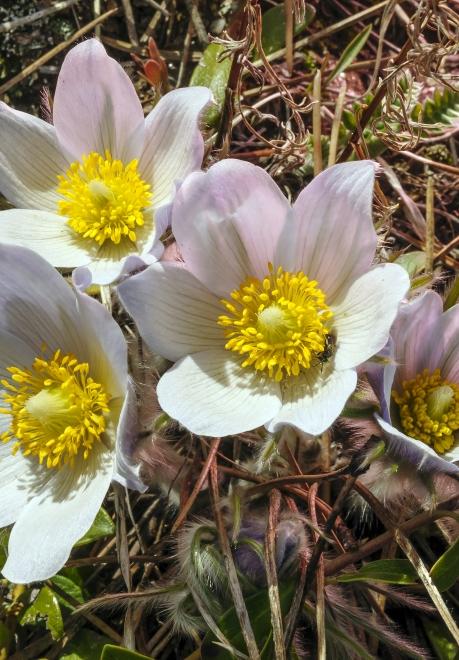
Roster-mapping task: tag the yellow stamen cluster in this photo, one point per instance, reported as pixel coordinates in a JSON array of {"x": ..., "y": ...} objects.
[
  {"x": 279, "y": 324},
  {"x": 104, "y": 199},
  {"x": 57, "y": 410},
  {"x": 429, "y": 409}
]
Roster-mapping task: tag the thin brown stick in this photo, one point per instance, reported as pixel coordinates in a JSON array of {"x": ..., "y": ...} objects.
[
  {"x": 55, "y": 51},
  {"x": 8, "y": 26},
  {"x": 320, "y": 582},
  {"x": 428, "y": 161},
  {"x": 198, "y": 485}
]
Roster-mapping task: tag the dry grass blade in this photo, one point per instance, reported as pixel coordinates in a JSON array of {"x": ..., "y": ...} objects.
[
  {"x": 271, "y": 574},
  {"x": 8, "y": 26}
]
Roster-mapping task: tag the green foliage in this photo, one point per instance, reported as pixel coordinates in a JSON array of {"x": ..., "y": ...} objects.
[
  {"x": 102, "y": 526},
  {"x": 273, "y": 27},
  {"x": 70, "y": 582},
  {"x": 45, "y": 607},
  {"x": 413, "y": 262},
  {"x": 111, "y": 652},
  {"x": 86, "y": 645},
  {"x": 445, "y": 571},
  {"x": 350, "y": 52},
  {"x": 213, "y": 72},
  {"x": 443, "y": 645},
  {"x": 259, "y": 613},
  {"x": 392, "y": 571},
  {"x": 442, "y": 108},
  {"x": 4, "y": 536}
]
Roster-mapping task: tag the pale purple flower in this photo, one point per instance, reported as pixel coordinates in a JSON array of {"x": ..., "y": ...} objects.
[
  {"x": 67, "y": 407},
  {"x": 288, "y": 360},
  {"x": 93, "y": 187},
  {"x": 418, "y": 388}
]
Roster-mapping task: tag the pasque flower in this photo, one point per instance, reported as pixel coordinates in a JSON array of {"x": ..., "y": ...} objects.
[
  {"x": 93, "y": 184},
  {"x": 274, "y": 307},
  {"x": 66, "y": 407},
  {"x": 419, "y": 386}
]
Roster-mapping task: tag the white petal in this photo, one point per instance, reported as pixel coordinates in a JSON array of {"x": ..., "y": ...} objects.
[
  {"x": 30, "y": 160},
  {"x": 36, "y": 303},
  {"x": 445, "y": 336},
  {"x": 210, "y": 394},
  {"x": 176, "y": 315},
  {"x": 127, "y": 473},
  {"x": 55, "y": 519},
  {"x": 173, "y": 142},
  {"x": 313, "y": 401},
  {"x": 330, "y": 236},
  {"x": 105, "y": 346},
  {"x": 417, "y": 343},
  {"x": 47, "y": 234},
  {"x": 420, "y": 455},
  {"x": 96, "y": 106},
  {"x": 362, "y": 320},
  {"x": 15, "y": 480},
  {"x": 227, "y": 223}
]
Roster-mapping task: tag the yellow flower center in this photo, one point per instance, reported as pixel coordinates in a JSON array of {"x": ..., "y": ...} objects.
[
  {"x": 104, "y": 199},
  {"x": 429, "y": 409},
  {"x": 278, "y": 324},
  {"x": 56, "y": 408}
]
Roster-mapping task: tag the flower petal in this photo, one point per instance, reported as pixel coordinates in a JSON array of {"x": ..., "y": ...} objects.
[
  {"x": 55, "y": 519},
  {"x": 364, "y": 316},
  {"x": 36, "y": 304},
  {"x": 313, "y": 401},
  {"x": 173, "y": 146},
  {"x": 417, "y": 345},
  {"x": 444, "y": 344},
  {"x": 47, "y": 234},
  {"x": 30, "y": 160},
  {"x": 331, "y": 236},
  {"x": 105, "y": 346},
  {"x": 96, "y": 106},
  {"x": 420, "y": 455},
  {"x": 176, "y": 315},
  {"x": 127, "y": 473},
  {"x": 210, "y": 394},
  {"x": 227, "y": 222}
]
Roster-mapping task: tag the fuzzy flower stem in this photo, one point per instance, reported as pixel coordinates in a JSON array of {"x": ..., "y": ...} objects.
[
  {"x": 300, "y": 595},
  {"x": 235, "y": 587}
]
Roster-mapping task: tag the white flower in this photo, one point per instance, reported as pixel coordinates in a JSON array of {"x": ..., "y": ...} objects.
[
  {"x": 418, "y": 388},
  {"x": 95, "y": 184},
  {"x": 66, "y": 409},
  {"x": 274, "y": 307}
]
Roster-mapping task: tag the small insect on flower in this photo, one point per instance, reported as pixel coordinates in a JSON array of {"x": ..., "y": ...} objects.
[
  {"x": 419, "y": 387},
  {"x": 66, "y": 407},
  {"x": 95, "y": 186},
  {"x": 274, "y": 306}
]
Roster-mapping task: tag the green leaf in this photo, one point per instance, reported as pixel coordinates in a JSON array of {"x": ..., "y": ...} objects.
[
  {"x": 413, "y": 262},
  {"x": 273, "y": 27},
  {"x": 392, "y": 571},
  {"x": 86, "y": 645},
  {"x": 259, "y": 613},
  {"x": 442, "y": 643},
  {"x": 45, "y": 607},
  {"x": 72, "y": 587},
  {"x": 350, "y": 52},
  {"x": 102, "y": 526},
  {"x": 445, "y": 571},
  {"x": 111, "y": 652},
  {"x": 4, "y": 537},
  {"x": 213, "y": 73}
]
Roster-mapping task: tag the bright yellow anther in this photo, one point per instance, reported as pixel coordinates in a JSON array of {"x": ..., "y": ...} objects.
[
  {"x": 57, "y": 410},
  {"x": 278, "y": 324},
  {"x": 104, "y": 199},
  {"x": 429, "y": 409}
]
